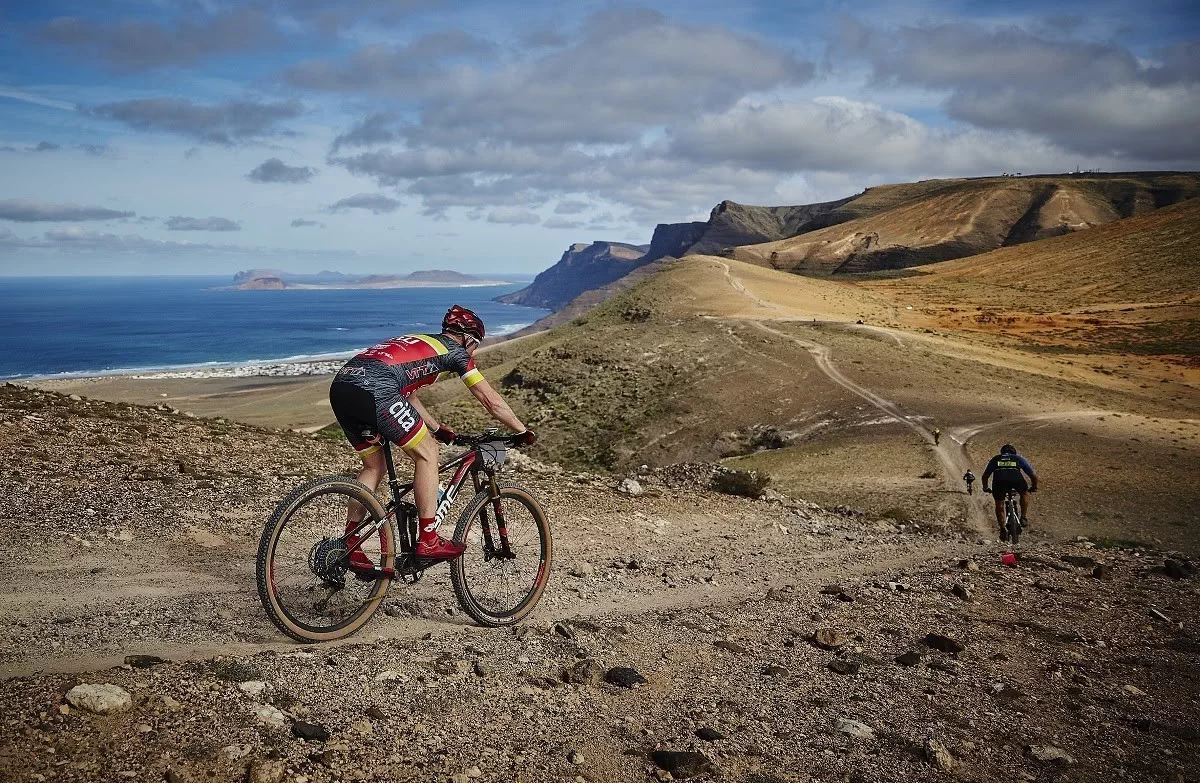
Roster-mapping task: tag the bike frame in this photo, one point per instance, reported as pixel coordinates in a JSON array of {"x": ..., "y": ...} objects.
[{"x": 482, "y": 475}]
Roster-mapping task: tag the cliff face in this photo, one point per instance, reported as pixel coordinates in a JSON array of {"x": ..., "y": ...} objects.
[
  {"x": 582, "y": 268},
  {"x": 731, "y": 224},
  {"x": 674, "y": 239}
]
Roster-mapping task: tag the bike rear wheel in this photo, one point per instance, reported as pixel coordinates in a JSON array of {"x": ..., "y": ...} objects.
[
  {"x": 495, "y": 590},
  {"x": 304, "y": 581},
  {"x": 1013, "y": 520}
]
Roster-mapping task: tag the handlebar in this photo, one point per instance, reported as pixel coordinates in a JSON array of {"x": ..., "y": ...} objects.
[{"x": 487, "y": 436}]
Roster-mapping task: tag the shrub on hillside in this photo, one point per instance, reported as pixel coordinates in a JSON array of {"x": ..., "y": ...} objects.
[
  {"x": 897, "y": 514},
  {"x": 747, "y": 483}
]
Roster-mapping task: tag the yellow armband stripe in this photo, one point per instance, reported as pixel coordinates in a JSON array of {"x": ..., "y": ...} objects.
[{"x": 473, "y": 377}]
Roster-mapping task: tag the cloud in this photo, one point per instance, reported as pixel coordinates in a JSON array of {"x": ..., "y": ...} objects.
[
  {"x": 372, "y": 130},
  {"x": 570, "y": 207},
  {"x": 392, "y": 70},
  {"x": 490, "y": 130},
  {"x": 27, "y": 211},
  {"x": 513, "y": 216},
  {"x": 69, "y": 242},
  {"x": 275, "y": 170},
  {"x": 302, "y": 222},
  {"x": 45, "y": 146},
  {"x": 1089, "y": 98},
  {"x": 178, "y": 223},
  {"x": 221, "y": 123},
  {"x": 558, "y": 222},
  {"x": 135, "y": 45},
  {"x": 375, "y": 202},
  {"x": 98, "y": 150}
]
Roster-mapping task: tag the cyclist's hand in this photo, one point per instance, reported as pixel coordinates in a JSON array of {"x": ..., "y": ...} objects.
[
  {"x": 445, "y": 434},
  {"x": 985, "y": 488},
  {"x": 526, "y": 438}
]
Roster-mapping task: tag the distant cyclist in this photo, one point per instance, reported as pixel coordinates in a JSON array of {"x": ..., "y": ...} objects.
[
  {"x": 937, "y": 435},
  {"x": 375, "y": 397},
  {"x": 969, "y": 477},
  {"x": 1007, "y": 467}
]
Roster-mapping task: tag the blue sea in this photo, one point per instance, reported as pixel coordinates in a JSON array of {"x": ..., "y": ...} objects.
[{"x": 93, "y": 325}]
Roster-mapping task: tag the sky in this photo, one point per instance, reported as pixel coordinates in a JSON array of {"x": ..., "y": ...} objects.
[{"x": 384, "y": 136}]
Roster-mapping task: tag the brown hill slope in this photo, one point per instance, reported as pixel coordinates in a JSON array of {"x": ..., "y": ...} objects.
[
  {"x": 908, "y": 225},
  {"x": 1127, "y": 286}
]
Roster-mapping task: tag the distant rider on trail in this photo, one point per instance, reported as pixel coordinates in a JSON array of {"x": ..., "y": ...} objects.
[
  {"x": 937, "y": 435},
  {"x": 1008, "y": 466},
  {"x": 969, "y": 477},
  {"x": 374, "y": 396}
]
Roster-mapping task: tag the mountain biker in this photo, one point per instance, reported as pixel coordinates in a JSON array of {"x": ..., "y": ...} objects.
[
  {"x": 1008, "y": 466},
  {"x": 937, "y": 435},
  {"x": 969, "y": 477},
  {"x": 374, "y": 396}
]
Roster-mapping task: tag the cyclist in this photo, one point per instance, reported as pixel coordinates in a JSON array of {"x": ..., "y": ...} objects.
[
  {"x": 374, "y": 396},
  {"x": 1008, "y": 466},
  {"x": 937, "y": 435},
  {"x": 969, "y": 477}
]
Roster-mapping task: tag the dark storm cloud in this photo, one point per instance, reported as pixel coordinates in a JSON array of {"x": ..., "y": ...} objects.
[
  {"x": 134, "y": 45},
  {"x": 1090, "y": 98},
  {"x": 27, "y": 211},
  {"x": 375, "y": 202},
  {"x": 178, "y": 223},
  {"x": 221, "y": 123},
  {"x": 275, "y": 170}
]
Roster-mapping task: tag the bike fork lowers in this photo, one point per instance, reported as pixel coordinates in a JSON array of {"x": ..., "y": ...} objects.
[{"x": 504, "y": 551}]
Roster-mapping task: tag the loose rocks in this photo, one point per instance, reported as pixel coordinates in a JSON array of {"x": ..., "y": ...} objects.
[
  {"x": 683, "y": 764},
  {"x": 944, "y": 643},
  {"x": 104, "y": 699},
  {"x": 829, "y": 638},
  {"x": 585, "y": 672},
  {"x": 855, "y": 728},
  {"x": 1048, "y": 754},
  {"x": 624, "y": 677},
  {"x": 310, "y": 731},
  {"x": 937, "y": 755}
]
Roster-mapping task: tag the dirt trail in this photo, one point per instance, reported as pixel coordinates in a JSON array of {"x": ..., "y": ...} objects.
[{"x": 954, "y": 462}]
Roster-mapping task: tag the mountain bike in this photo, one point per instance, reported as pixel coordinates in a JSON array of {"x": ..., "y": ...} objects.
[
  {"x": 1012, "y": 515},
  {"x": 313, "y": 592}
]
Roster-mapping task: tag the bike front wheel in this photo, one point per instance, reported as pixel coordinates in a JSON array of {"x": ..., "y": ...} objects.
[
  {"x": 498, "y": 585},
  {"x": 305, "y": 581}
]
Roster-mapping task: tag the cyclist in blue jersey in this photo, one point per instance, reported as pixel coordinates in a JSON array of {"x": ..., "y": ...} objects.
[{"x": 1005, "y": 471}]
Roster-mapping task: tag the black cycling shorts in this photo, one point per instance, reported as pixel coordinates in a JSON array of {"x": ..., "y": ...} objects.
[
  {"x": 1002, "y": 484},
  {"x": 366, "y": 420}
]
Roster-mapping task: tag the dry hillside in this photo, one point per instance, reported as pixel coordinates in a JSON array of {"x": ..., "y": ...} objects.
[
  {"x": 1128, "y": 286},
  {"x": 908, "y": 225}
]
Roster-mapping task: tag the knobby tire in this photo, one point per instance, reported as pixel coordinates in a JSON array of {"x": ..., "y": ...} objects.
[
  {"x": 458, "y": 576},
  {"x": 292, "y": 626}
]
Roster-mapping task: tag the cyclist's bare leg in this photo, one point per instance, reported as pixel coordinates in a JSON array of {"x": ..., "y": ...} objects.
[
  {"x": 1024, "y": 504},
  {"x": 999, "y": 510},
  {"x": 425, "y": 476},
  {"x": 371, "y": 474}
]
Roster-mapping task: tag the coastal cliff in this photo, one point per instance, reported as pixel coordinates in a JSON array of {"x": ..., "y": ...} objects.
[{"x": 581, "y": 268}]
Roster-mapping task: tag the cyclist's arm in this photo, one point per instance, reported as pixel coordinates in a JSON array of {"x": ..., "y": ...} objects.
[
  {"x": 1028, "y": 468},
  {"x": 430, "y": 422},
  {"x": 988, "y": 471},
  {"x": 496, "y": 406}
]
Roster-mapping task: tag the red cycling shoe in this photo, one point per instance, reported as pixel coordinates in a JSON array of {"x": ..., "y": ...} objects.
[{"x": 441, "y": 549}]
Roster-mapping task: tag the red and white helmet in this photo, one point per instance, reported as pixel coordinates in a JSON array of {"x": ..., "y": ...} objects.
[{"x": 461, "y": 320}]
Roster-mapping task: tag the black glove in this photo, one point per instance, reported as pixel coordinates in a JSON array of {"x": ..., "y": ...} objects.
[
  {"x": 526, "y": 438},
  {"x": 445, "y": 434},
  {"x": 985, "y": 488}
]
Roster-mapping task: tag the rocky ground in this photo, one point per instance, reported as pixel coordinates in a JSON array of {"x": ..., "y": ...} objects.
[{"x": 683, "y": 634}]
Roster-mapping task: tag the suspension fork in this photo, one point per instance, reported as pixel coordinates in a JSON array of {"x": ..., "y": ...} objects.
[{"x": 498, "y": 509}]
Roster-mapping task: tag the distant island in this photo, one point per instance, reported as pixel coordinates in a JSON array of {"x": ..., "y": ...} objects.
[{"x": 279, "y": 280}]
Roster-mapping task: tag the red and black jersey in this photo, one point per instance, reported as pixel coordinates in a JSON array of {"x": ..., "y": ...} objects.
[{"x": 404, "y": 364}]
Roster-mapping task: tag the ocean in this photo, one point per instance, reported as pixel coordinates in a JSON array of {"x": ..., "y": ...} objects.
[{"x": 51, "y": 326}]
